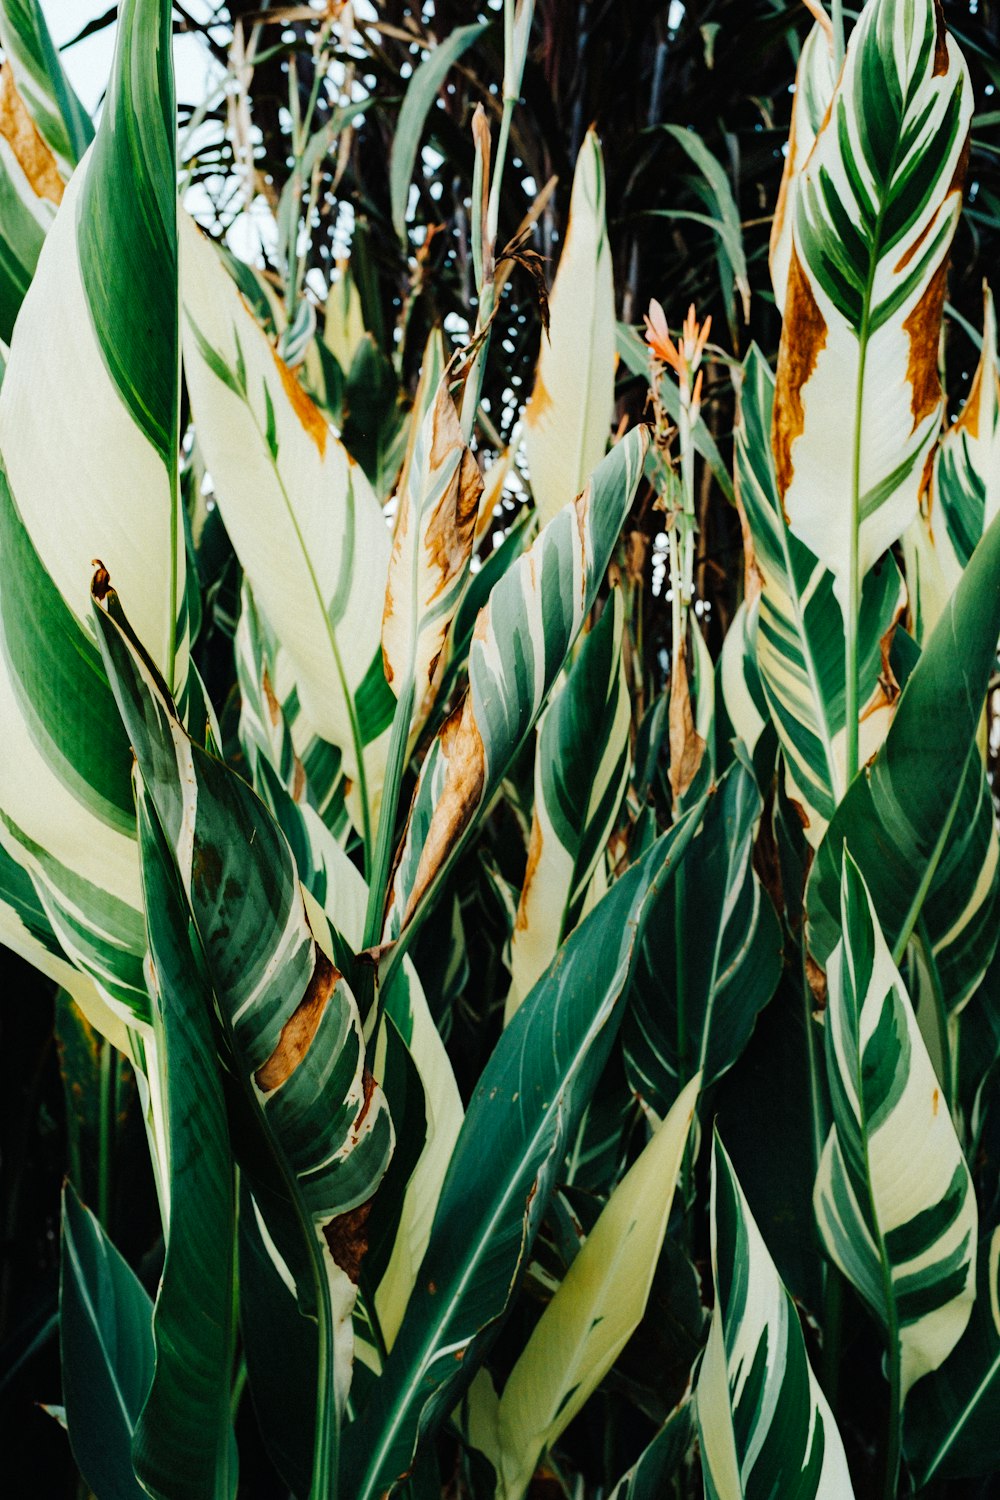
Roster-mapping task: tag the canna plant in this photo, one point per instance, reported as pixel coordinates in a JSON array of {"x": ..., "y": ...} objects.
[{"x": 471, "y": 951}]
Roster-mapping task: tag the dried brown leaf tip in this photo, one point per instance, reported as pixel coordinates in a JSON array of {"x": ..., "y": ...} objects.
[
  {"x": 519, "y": 252},
  {"x": 686, "y": 745},
  {"x": 347, "y": 1239}
]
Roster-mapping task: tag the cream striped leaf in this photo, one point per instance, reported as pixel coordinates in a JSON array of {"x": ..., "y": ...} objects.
[
  {"x": 93, "y": 477},
  {"x": 800, "y": 632},
  {"x": 31, "y": 188},
  {"x": 739, "y": 686},
  {"x": 900, "y": 1223},
  {"x": 765, "y": 1426},
  {"x": 312, "y": 1131},
  {"x": 438, "y": 503},
  {"x": 858, "y": 403},
  {"x": 568, "y": 419},
  {"x": 815, "y": 80},
  {"x": 581, "y": 770},
  {"x": 300, "y": 513},
  {"x": 521, "y": 640},
  {"x": 60, "y": 118},
  {"x": 596, "y": 1308}
]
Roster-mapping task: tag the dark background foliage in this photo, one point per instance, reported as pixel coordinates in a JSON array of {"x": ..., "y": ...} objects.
[{"x": 723, "y": 68}]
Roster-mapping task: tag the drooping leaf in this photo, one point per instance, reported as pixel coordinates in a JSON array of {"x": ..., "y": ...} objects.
[
  {"x": 106, "y": 1346},
  {"x": 711, "y": 958},
  {"x": 581, "y": 769},
  {"x": 800, "y": 632},
  {"x": 420, "y": 95},
  {"x": 568, "y": 419},
  {"x": 521, "y": 640},
  {"x": 858, "y": 401},
  {"x": 900, "y": 1224},
  {"x": 502, "y": 1172},
  {"x": 596, "y": 1308},
  {"x": 765, "y": 1426}
]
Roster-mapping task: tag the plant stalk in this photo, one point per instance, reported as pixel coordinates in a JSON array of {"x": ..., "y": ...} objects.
[
  {"x": 107, "y": 1119},
  {"x": 838, "y": 33},
  {"x": 388, "y": 808}
]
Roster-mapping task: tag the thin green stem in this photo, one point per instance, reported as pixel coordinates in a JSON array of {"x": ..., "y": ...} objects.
[
  {"x": 238, "y": 1387},
  {"x": 395, "y": 767},
  {"x": 894, "y": 1361},
  {"x": 106, "y": 1133},
  {"x": 947, "y": 1078},
  {"x": 833, "y": 1317}
]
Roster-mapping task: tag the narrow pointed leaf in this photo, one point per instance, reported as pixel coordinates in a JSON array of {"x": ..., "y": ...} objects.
[
  {"x": 858, "y": 403},
  {"x": 815, "y": 80},
  {"x": 58, "y": 114},
  {"x": 765, "y": 1426},
  {"x": 568, "y": 419},
  {"x": 901, "y": 1226}
]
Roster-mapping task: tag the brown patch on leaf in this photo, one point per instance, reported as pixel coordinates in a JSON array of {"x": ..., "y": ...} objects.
[
  {"x": 531, "y": 870},
  {"x": 540, "y": 403},
  {"x": 19, "y": 131},
  {"x": 300, "y": 1028},
  {"x": 686, "y": 745},
  {"x": 940, "y": 41},
  {"x": 935, "y": 1102},
  {"x": 462, "y": 748},
  {"x": 887, "y": 689},
  {"x": 803, "y": 337},
  {"x": 273, "y": 706},
  {"x": 313, "y": 421},
  {"x": 923, "y": 329},
  {"x": 449, "y": 536},
  {"x": 766, "y": 860},
  {"x": 519, "y": 252},
  {"x": 753, "y": 578},
  {"x": 816, "y": 978},
  {"x": 347, "y": 1238}
]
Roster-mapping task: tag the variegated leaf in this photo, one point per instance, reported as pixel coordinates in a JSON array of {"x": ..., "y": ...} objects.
[
  {"x": 800, "y": 633},
  {"x": 289, "y": 1017},
  {"x": 568, "y": 419},
  {"x": 765, "y": 1426},
  {"x": 858, "y": 402},
  {"x": 300, "y": 513},
  {"x": 100, "y": 318},
  {"x": 964, "y": 494},
  {"x": 521, "y": 640},
  {"x": 739, "y": 681},
  {"x": 435, "y": 521},
  {"x": 31, "y": 188},
  {"x": 900, "y": 1223},
  {"x": 815, "y": 80},
  {"x": 581, "y": 770},
  {"x": 60, "y": 118},
  {"x": 596, "y": 1308}
]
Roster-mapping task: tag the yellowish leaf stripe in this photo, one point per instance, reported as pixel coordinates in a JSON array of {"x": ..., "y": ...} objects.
[
  {"x": 30, "y": 189},
  {"x": 108, "y": 487},
  {"x": 741, "y": 689},
  {"x": 877, "y": 205},
  {"x": 520, "y": 642},
  {"x": 901, "y": 1224},
  {"x": 596, "y": 1308},
  {"x": 55, "y": 108},
  {"x": 800, "y": 634},
  {"x": 765, "y": 1426},
  {"x": 567, "y": 420},
  {"x": 815, "y": 80},
  {"x": 300, "y": 514},
  {"x": 581, "y": 770},
  {"x": 432, "y": 545}
]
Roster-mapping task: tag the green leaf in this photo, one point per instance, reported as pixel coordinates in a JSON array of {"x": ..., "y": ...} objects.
[
  {"x": 726, "y": 215},
  {"x": 764, "y": 1424},
  {"x": 502, "y": 1172},
  {"x": 59, "y": 116},
  {"x": 660, "y": 1459},
  {"x": 184, "y": 1447},
  {"x": 521, "y": 640},
  {"x": 420, "y": 95},
  {"x": 902, "y": 1228},
  {"x": 581, "y": 770},
  {"x": 951, "y": 1419},
  {"x": 710, "y": 961},
  {"x": 899, "y": 815},
  {"x": 106, "y": 1344}
]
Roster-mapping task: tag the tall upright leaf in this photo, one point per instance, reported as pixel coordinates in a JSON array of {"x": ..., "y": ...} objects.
[
  {"x": 521, "y": 639},
  {"x": 901, "y": 1224},
  {"x": 568, "y": 419},
  {"x": 765, "y": 1426},
  {"x": 95, "y": 352},
  {"x": 503, "y": 1171},
  {"x": 31, "y": 188},
  {"x": 581, "y": 768},
  {"x": 815, "y": 80},
  {"x": 60, "y": 118},
  {"x": 800, "y": 634},
  {"x": 858, "y": 402}
]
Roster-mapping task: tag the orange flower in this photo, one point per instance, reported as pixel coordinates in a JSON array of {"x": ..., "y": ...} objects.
[{"x": 684, "y": 357}]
